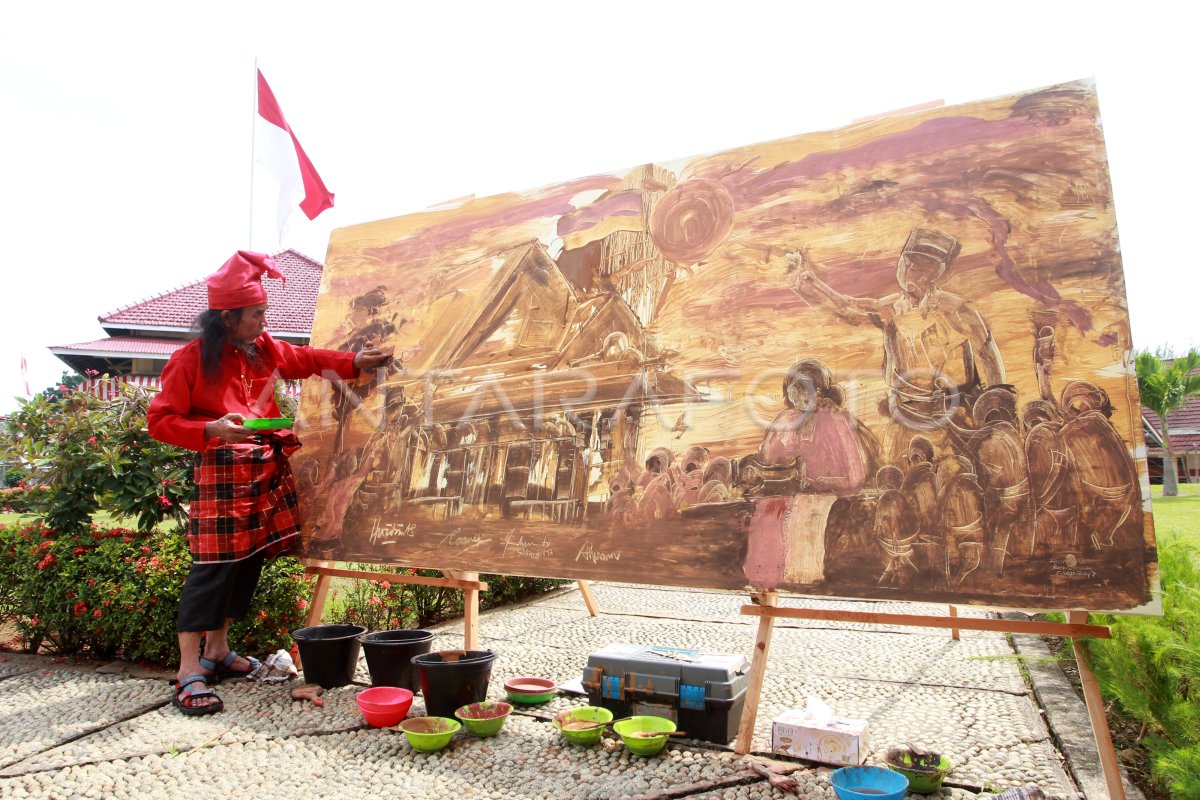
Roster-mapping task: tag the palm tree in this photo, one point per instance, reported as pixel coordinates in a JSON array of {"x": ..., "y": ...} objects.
[{"x": 1165, "y": 384}]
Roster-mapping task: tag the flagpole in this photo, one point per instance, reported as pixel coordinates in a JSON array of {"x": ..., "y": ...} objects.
[{"x": 253, "y": 125}]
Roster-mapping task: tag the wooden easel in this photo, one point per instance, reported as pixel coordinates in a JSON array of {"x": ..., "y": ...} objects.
[
  {"x": 467, "y": 582},
  {"x": 766, "y": 608}
]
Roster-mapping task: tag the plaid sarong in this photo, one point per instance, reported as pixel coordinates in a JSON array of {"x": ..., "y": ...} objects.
[{"x": 244, "y": 500}]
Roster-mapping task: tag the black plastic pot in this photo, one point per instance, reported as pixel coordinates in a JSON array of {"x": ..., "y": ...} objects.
[
  {"x": 329, "y": 653},
  {"x": 453, "y": 678},
  {"x": 390, "y": 654}
]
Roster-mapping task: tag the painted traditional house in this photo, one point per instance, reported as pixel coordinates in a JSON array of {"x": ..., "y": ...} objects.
[
  {"x": 533, "y": 397},
  {"x": 140, "y": 337}
]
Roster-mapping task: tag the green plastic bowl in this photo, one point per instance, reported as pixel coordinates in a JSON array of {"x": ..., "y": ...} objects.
[
  {"x": 268, "y": 424},
  {"x": 920, "y": 781},
  {"x": 585, "y": 736},
  {"x": 429, "y": 734},
  {"x": 484, "y": 719},
  {"x": 644, "y": 746}
]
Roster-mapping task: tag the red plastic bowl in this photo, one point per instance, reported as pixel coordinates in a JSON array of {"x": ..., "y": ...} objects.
[
  {"x": 384, "y": 706},
  {"x": 530, "y": 685}
]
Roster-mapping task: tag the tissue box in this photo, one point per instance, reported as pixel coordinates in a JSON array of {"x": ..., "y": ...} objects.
[{"x": 832, "y": 741}]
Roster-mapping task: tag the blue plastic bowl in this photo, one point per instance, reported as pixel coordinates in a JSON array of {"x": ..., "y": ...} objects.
[{"x": 868, "y": 783}]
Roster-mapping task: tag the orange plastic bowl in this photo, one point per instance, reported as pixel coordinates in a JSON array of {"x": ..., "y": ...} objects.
[{"x": 384, "y": 706}]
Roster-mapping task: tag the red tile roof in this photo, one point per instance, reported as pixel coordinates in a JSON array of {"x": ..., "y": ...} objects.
[
  {"x": 1184, "y": 425},
  {"x": 290, "y": 305},
  {"x": 132, "y": 346}
]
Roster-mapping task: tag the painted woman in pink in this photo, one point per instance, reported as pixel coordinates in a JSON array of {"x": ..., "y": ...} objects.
[{"x": 811, "y": 455}]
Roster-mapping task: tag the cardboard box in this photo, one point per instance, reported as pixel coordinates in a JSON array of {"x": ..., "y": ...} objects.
[{"x": 833, "y": 741}]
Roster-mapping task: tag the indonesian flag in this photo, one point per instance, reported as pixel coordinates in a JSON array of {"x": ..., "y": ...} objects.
[
  {"x": 25, "y": 376},
  {"x": 278, "y": 150}
]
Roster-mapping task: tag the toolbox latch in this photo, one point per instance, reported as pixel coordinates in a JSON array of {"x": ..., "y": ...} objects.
[{"x": 691, "y": 697}]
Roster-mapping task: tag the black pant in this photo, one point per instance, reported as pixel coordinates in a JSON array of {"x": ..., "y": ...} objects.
[{"x": 214, "y": 593}]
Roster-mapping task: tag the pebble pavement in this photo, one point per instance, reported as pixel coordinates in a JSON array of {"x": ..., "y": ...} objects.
[{"x": 70, "y": 731}]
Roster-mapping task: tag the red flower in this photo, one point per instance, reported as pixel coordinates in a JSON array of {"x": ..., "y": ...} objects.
[
  {"x": 79, "y": 551},
  {"x": 97, "y": 613},
  {"x": 92, "y": 440},
  {"x": 164, "y": 501},
  {"x": 48, "y": 561},
  {"x": 301, "y": 604},
  {"x": 80, "y": 608},
  {"x": 262, "y": 615},
  {"x": 146, "y": 550}
]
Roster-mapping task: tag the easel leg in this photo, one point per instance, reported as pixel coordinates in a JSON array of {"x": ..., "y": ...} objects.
[
  {"x": 1095, "y": 707},
  {"x": 589, "y": 599},
  {"x": 317, "y": 607},
  {"x": 954, "y": 631},
  {"x": 471, "y": 613},
  {"x": 758, "y": 670}
]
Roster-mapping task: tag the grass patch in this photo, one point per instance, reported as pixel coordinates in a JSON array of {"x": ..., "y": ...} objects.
[
  {"x": 101, "y": 518},
  {"x": 1178, "y": 516}
]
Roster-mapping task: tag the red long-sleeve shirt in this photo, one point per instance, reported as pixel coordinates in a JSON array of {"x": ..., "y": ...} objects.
[{"x": 189, "y": 399}]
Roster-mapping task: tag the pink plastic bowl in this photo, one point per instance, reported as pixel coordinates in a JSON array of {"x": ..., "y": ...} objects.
[{"x": 384, "y": 706}]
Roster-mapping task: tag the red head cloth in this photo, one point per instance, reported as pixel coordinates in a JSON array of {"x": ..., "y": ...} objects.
[{"x": 238, "y": 283}]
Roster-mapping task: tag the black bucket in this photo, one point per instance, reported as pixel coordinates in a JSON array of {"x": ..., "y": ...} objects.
[
  {"x": 329, "y": 653},
  {"x": 390, "y": 654},
  {"x": 453, "y": 678}
]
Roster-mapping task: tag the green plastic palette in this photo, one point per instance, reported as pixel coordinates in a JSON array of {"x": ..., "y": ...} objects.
[{"x": 269, "y": 424}]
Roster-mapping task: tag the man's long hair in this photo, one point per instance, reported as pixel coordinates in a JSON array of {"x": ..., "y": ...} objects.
[{"x": 210, "y": 330}]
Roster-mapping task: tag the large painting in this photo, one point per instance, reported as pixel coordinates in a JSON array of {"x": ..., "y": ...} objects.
[{"x": 890, "y": 360}]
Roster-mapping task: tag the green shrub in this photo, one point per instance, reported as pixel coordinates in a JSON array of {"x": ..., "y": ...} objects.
[
  {"x": 1151, "y": 667},
  {"x": 381, "y": 605},
  {"x": 95, "y": 453},
  {"x": 115, "y": 592},
  {"x": 23, "y": 499}
]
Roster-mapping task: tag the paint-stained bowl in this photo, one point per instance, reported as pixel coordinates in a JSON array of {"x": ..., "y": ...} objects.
[
  {"x": 923, "y": 778},
  {"x": 868, "y": 783},
  {"x": 633, "y": 733},
  {"x": 583, "y": 726},
  {"x": 528, "y": 690},
  {"x": 485, "y": 718},
  {"x": 429, "y": 734},
  {"x": 384, "y": 706}
]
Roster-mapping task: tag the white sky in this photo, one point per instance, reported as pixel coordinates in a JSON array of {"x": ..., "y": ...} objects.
[{"x": 125, "y": 128}]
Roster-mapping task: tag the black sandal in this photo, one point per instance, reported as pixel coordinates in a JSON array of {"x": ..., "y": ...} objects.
[
  {"x": 185, "y": 694},
  {"x": 221, "y": 669}
]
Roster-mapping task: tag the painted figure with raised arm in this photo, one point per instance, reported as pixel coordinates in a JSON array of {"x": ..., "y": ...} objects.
[{"x": 937, "y": 346}]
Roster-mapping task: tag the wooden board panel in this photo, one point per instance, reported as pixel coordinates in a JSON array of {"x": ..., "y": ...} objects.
[{"x": 891, "y": 360}]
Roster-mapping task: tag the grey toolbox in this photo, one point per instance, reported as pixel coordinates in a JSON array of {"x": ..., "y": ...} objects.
[{"x": 702, "y": 692}]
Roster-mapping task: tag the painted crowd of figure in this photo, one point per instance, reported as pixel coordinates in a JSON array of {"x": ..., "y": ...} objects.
[
  {"x": 970, "y": 484},
  {"x": 975, "y": 483}
]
